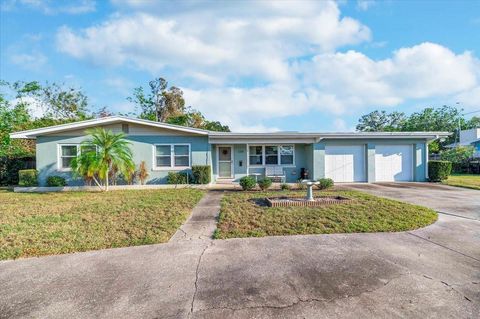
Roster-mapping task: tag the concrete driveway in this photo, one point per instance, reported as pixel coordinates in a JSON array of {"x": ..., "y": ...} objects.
[
  {"x": 448, "y": 199},
  {"x": 433, "y": 272}
]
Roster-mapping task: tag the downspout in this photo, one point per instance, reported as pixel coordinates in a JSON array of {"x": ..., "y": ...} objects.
[
  {"x": 427, "y": 156},
  {"x": 316, "y": 140}
]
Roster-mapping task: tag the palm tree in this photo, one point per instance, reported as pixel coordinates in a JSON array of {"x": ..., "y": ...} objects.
[{"x": 100, "y": 154}]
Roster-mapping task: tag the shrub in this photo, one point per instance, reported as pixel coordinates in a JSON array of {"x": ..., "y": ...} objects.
[
  {"x": 300, "y": 185},
  {"x": 9, "y": 167},
  {"x": 177, "y": 178},
  {"x": 201, "y": 174},
  {"x": 265, "y": 183},
  {"x": 247, "y": 183},
  {"x": 284, "y": 187},
  {"x": 142, "y": 172},
  {"x": 439, "y": 170},
  {"x": 325, "y": 183},
  {"x": 458, "y": 154},
  {"x": 55, "y": 181},
  {"x": 27, "y": 177}
]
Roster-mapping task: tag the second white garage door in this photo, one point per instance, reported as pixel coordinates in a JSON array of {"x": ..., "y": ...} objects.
[
  {"x": 393, "y": 163},
  {"x": 345, "y": 163}
]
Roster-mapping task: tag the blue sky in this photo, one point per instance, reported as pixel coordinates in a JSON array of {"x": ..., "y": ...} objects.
[{"x": 257, "y": 66}]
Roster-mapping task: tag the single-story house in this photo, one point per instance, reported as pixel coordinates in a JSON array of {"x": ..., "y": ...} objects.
[
  {"x": 469, "y": 137},
  {"x": 344, "y": 157}
]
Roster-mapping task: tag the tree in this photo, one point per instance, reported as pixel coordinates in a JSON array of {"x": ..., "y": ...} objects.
[
  {"x": 474, "y": 122},
  {"x": 11, "y": 118},
  {"x": 58, "y": 101},
  {"x": 381, "y": 121},
  {"x": 458, "y": 154},
  {"x": 193, "y": 118},
  {"x": 167, "y": 105},
  {"x": 60, "y": 106},
  {"x": 102, "y": 153},
  {"x": 444, "y": 119},
  {"x": 160, "y": 103}
]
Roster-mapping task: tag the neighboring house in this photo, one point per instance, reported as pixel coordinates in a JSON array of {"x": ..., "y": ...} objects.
[
  {"x": 469, "y": 137},
  {"x": 344, "y": 157}
]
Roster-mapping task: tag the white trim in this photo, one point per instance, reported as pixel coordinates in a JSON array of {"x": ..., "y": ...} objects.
[
  {"x": 102, "y": 121},
  {"x": 427, "y": 159},
  {"x": 248, "y": 159},
  {"x": 264, "y": 164},
  {"x": 266, "y": 140},
  {"x": 172, "y": 166},
  {"x": 232, "y": 160},
  {"x": 59, "y": 156}
]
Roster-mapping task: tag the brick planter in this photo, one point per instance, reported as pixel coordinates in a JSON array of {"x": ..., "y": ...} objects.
[{"x": 286, "y": 201}]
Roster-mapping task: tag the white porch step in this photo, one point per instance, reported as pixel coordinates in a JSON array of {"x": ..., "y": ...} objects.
[{"x": 224, "y": 181}]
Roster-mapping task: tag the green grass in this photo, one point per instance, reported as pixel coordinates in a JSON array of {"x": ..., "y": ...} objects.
[
  {"x": 464, "y": 180},
  {"x": 240, "y": 216},
  {"x": 57, "y": 223}
]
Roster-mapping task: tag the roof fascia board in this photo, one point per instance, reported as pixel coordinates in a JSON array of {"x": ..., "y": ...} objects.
[
  {"x": 102, "y": 121},
  {"x": 214, "y": 140}
]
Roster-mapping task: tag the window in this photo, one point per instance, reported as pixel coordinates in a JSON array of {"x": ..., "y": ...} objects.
[
  {"x": 67, "y": 154},
  {"x": 172, "y": 155},
  {"x": 271, "y": 155},
  {"x": 182, "y": 155},
  {"x": 125, "y": 128},
  {"x": 164, "y": 156},
  {"x": 256, "y": 155},
  {"x": 88, "y": 148},
  {"x": 286, "y": 154}
]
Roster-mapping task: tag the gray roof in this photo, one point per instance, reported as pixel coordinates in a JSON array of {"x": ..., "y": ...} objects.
[{"x": 314, "y": 136}]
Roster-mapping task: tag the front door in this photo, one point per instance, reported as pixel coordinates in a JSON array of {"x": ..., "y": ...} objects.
[{"x": 225, "y": 161}]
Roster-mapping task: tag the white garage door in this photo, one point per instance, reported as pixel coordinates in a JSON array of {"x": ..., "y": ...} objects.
[
  {"x": 345, "y": 163},
  {"x": 393, "y": 163}
]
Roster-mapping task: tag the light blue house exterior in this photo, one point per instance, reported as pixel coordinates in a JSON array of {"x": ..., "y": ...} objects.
[{"x": 344, "y": 157}]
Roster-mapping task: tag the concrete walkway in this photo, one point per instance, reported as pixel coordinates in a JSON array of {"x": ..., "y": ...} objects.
[{"x": 203, "y": 221}]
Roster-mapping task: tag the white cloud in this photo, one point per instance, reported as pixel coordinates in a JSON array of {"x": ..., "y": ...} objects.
[
  {"x": 36, "y": 108},
  {"x": 247, "y": 63},
  {"x": 51, "y": 7},
  {"x": 469, "y": 100},
  {"x": 421, "y": 71},
  {"x": 120, "y": 84},
  {"x": 27, "y": 54},
  {"x": 240, "y": 107},
  {"x": 340, "y": 125},
  {"x": 364, "y": 5},
  {"x": 34, "y": 61},
  {"x": 241, "y": 39}
]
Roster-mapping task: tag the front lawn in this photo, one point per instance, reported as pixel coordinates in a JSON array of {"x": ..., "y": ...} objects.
[
  {"x": 242, "y": 216},
  {"x": 57, "y": 223},
  {"x": 464, "y": 180}
]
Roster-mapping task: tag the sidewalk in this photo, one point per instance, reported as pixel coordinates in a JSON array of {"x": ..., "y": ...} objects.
[{"x": 203, "y": 221}]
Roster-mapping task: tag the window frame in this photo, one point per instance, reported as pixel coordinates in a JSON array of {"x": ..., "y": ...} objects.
[
  {"x": 261, "y": 155},
  {"x": 172, "y": 166},
  {"x": 279, "y": 159},
  {"x": 60, "y": 156}
]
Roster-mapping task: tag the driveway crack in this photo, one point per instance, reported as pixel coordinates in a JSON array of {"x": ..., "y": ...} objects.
[
  {"x": 443, "y": 246},
  {"x": 302, "y": 300},
  {"x": 196, "y": 276}
]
